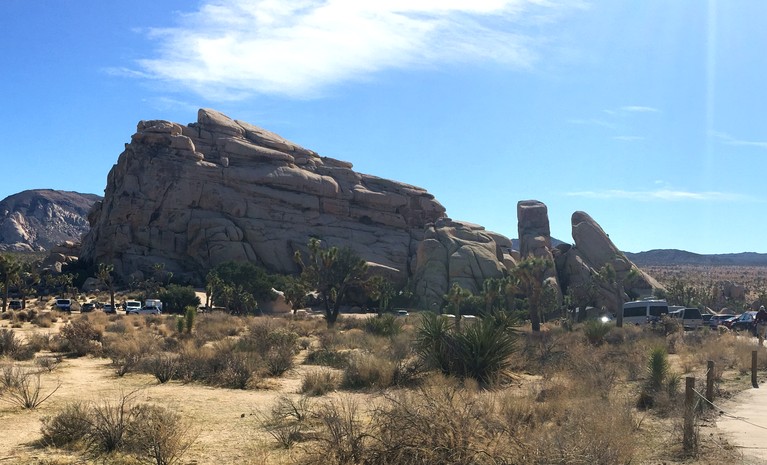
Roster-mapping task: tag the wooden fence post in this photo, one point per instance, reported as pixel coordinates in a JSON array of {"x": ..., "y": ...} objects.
[
  {"x": 754, "y": 383},
  {"x": 689, "y": 442},
  {"x": 710, "y": 382}
]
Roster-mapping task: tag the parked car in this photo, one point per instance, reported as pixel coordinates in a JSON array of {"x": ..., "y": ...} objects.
[
  {"x": 87, "y": 307},
  {"x": 131, "y": 305},
  {"x": 719, "y": 319},
  {"x": 65, "y": 305},
  {"x": 150, "y": 310},
  {"x": 109, "y": 308},
  {"x": 402, "y": 313},
  {"x": 689, "y": 317},
  {"x": 14, "y": 305},
  {"x": 745, "y": 322}
]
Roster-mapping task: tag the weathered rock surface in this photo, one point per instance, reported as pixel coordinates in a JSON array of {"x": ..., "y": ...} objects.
[
  {"x": 217, "y": 190},
  {"x": 535, "y": 239},
  {"x": 456, "y": 252},
  {"x": 192, "y": 197},
  {"x": 593, "y": 250},
  {"x": 36, "y": 220}
]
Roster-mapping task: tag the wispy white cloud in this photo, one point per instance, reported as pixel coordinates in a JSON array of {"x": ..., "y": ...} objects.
[
  {"x": 729, "y": 140},
  {"x": 670, "y": 195},
  {"x": 639, "y": 109},
  {"x": 300, "y": 47},
  {"x": 593, "y": 122}
]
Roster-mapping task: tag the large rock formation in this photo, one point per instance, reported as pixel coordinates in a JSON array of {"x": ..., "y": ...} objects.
[
  {"x": 593, "y": 250},
  {"x": 191, "y": 197},
  {"x": 36, "y": 220},
  {"x": 217, "y": 190},
  {"x": 456, "y": 252}
]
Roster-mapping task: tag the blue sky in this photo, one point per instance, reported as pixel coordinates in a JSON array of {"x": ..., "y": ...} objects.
[{"x": 648, "y": 115}]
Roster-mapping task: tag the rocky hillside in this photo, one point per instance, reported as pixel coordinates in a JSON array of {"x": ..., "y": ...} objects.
[
  {"x": 36, "y": 220},
  {"x": 217, "y": 190},
  {"x": 670, "y": 257}
]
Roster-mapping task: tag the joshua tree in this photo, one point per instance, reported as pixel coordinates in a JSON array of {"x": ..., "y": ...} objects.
[
  {"x": 104, "y": 273},
  {"x": 333, "y": 272}
]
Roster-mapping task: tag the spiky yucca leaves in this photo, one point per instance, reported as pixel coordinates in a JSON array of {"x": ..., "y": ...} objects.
[{"x": 481, "y": 350}]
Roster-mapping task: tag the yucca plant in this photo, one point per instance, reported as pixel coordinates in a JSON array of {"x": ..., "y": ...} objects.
[
  {"x": 596, "y": 331},
  {"x": 481, "y": 350}
]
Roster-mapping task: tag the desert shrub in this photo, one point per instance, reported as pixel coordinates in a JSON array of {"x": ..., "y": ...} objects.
[
  {"x": 277, "y": 346},
  {"x": 43, "y": 320},
  {"x": 68, "y": 427},
  {"x": 237, "y": 370},
  {"x": 162, "y": 365},
  {"x": 157, "y": 435},
  {"x": 21, "y": 316},
  {"x": 216, "y": 326},
  {"x": 319, "y": 382},
  {"x": 343, "y": 435},
  {"x": 81, "y": 337},
  {"x": 592, "y": 370},
  {"x": 387, "y": 325},
  {"x": 151, "y": 434},
  {"x": 48, "y": 362},
  {"x": 127, "y": 351},
  {"x": 661, "y": 386},
  {"x": 481, "y": 350},
  {"x": 596, "y": 331},
  {"x": 109, "y": 423},
  {"x": 222, "y": 365},
  {"x": 287, "y": 420},
  {"x": 327, "y": 357},
  {"x": 439, "y": 423},
  {"x": 368, "y": 371},
  {"x": 40, "y": 341},
  {"x": 9, "y": 343},
  {"x": 22, "y": 387}
]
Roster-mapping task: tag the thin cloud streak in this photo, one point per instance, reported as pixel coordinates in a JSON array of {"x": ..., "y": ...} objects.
[
  {"x": 729, "y": 140},
  {"x": 235, "y": 48},
  {"x": 639, "y": 109},
  {"x": 661, "y": 195}
]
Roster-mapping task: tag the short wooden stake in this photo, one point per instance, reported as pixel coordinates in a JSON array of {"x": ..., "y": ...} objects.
[
  {"x": 754, "y": 383},
  {"x": 688, "y": 442},
  {"x": 710, "y": 382}
]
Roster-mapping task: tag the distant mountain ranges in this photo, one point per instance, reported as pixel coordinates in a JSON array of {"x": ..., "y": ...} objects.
[{"x": 36, "y": 220}]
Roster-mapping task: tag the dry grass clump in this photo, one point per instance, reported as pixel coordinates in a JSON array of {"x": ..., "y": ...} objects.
[
  {"x": 22, "y": 387},
  {"x": 216, "y": 326},
  {"x": 82, "y": 336},
  {"x": 365, "y": 371},
  {"x": 320, "y": 381},
  {"x": 447, "y": 422},
  {"x": 146, "y": 432},
  {"x": 13, "y": 347}
]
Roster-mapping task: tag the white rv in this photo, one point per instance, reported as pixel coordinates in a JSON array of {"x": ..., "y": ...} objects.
[{"x": 640, "y": 312}]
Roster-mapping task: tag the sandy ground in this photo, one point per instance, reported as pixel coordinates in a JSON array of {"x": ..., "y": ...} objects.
[{"x": 224, "y": 423}]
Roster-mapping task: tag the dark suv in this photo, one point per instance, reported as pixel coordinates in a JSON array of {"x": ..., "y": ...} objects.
[{"x": 14, "y": 305}]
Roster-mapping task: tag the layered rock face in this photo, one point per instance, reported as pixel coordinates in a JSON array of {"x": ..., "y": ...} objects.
[
  {"x": 593, "y": 249},
  {"x": 37, "y": 220},
  {"x": 218, "y": 190},
  {"x": 456, "y": 252}
]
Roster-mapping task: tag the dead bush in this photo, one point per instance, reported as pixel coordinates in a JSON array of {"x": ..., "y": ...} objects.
[
  {"x": 82, "y": 337},
  {"x": 319, "y": 382},
  {"x": 67, "y": 428},
  {"x": 368, "y": 371},
  {"x": 22, "y": 387}
]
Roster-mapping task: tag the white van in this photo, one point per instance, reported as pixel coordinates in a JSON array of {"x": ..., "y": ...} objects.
[
  {"x": 689, "y": 317},
  {"x": 640, "y": 312}
]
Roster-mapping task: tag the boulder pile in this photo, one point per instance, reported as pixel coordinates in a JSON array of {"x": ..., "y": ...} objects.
[{"x": 194, "y": 196}]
